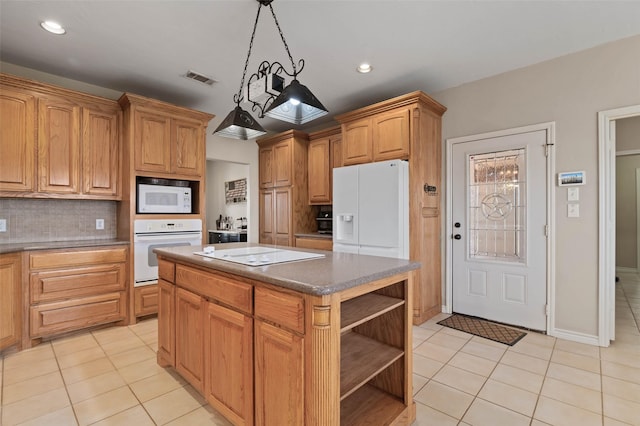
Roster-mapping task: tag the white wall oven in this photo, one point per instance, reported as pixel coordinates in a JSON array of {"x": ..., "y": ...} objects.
[{"x": 153, "y": 233}]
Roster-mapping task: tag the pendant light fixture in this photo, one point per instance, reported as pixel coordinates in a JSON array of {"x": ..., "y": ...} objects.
[{"x": 294, "y": 104}]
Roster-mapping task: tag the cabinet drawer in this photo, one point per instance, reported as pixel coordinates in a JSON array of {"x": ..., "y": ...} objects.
[
  {"x": 167, "y": 270},
  {"x": 228, "y": 291},
  {"x": 284, "y": 309},
  {"x": 145, "y": 300},
  {"x": 315, "y": 243},
  {"x": 57, "y": 317},
  {"x": 47, "y": 286},
  {"x": 62, "y": 259}
]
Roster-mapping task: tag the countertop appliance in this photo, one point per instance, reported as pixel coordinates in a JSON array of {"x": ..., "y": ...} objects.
[
  {"x": 152, "y": 233},
  {"x": 371, "y": 209},
  {"x": 325, "y": 222},
  {"x": 163, "y": 196},
  {"x": 257, "y": 256}
]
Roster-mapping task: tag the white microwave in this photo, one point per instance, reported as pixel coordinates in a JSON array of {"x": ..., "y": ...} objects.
[{"x": 163, "y": 199}]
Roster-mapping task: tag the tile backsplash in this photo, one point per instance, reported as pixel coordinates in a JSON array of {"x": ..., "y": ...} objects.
[{"x": 38, "y": 220}]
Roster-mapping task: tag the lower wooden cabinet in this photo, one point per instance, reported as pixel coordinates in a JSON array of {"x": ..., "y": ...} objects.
[
  {"x": 229, "y": 363},
  {"x": 74, "y": 289},
  {"x": 315, "y": 243},
  {"x": 279, "y": 364},
  {"x": 190, "y": 337},
  {"x": 10, "y": 299},
  {"x": 166, "y": 323},
  {"x": 145, "y": 300}
]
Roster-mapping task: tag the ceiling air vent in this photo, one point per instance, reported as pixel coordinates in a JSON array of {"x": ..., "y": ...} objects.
[{"x": 192, "y": 75}]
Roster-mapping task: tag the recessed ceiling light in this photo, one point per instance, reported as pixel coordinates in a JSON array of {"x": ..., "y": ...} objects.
[
  {"x": 53, "y": 27},
  {"x": 364, "y": 68}
]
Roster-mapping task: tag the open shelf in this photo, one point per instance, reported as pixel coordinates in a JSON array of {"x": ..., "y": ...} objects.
[
  {"x": 362, "y": 358},
  {"x": 363, "y": 308},
  {"x": 370, "y": 406}
]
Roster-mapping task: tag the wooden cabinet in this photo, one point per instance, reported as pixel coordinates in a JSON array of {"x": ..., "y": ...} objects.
[
  {"x": 59, "y": 143},
  {"x": 17, "y": 140},
  {"x": 189, "y": 332},
  {"x": 75, "y": 289},
  {"x": 325, "y": 153},
  {"x": 229, "y": 363},
  {"x": 407, "y": 127},
  {"x": 164, "y": 140},
  {"x": 166, "y": 322},
  {"x": 10, "y": 299},
  {"x": 283, "y": 199},
  {"x": 315, "y": 243},
  {"x": 145, "y": 300},
  {"x": 279, "y": 377},
  {"x": 384, "y": 136}
]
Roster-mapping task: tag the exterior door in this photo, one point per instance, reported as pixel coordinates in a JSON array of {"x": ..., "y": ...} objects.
[{"x": 499, "y": 242}]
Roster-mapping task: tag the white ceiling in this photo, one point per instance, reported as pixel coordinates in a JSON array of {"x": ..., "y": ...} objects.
[{"x": 144, "y": 46}]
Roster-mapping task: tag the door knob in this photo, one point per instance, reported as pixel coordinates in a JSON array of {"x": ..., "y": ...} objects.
[{"x": 457, "y": 236}]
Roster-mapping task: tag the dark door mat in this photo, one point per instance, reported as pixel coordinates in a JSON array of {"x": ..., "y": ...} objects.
[{"x": 479, "y": 327}]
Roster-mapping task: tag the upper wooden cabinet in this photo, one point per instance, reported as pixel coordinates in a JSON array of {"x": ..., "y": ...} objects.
[
  {"x": 325, "y": 153},
  {"x": 17, "y": 140},
  {"x": 58, "y": 143},
  {"x": 384, "y": 136},
  {"x": 165, "y": 140},
  {"x": 283, "y": 201}
]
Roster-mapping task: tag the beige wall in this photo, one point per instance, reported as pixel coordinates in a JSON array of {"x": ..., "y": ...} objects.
[
  {"x": 219, "y": 172},
  {"x": 570, "y": 91},
  {"x": 626, "y": 211},
  {"x": 628, "y": 134}
]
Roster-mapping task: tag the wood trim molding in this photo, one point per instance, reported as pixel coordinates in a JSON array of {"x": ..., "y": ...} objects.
[{"x": 398, "y": 102}]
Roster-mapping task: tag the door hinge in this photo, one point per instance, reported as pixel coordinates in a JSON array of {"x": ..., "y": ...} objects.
[
  {"x": 546, "y": 230},
  {"x": 546, "y": 150},
  {"x": 547, "y": 311}
]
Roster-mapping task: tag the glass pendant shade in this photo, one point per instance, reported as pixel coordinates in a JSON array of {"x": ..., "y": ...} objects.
[
  {"x": 296, "y": 104},
  {"x": 239, "y": 124}
]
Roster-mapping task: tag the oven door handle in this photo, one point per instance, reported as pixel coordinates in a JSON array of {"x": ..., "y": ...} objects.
[{"x": 166, "y": 237}]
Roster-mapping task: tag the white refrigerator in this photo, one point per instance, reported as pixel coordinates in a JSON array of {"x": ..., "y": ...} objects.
[{"x": 371, "y": 209}]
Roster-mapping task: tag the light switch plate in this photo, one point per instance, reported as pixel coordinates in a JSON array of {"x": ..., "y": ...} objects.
[
  {"x": 99, "y": 223},
  {"x": 573, "y": 210},
  {"x": 573, "y": 194},
  {"x": 3, "y": 225}
]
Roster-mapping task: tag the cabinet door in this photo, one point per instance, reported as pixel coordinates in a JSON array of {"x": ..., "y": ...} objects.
[
  {"x": 10, "y": 300},
  {"x": 266, "y": 207},
  {"x": 357, "y": 143},
  {"x": 391, "y": 135},
  {"x": 229, "y": 363},
  {"x": 319, "y": 171},
  {"x": 58, "y": 146},
  {"x": 188, "y": 148},
  {"x": 166, "y": 322},
  {"x": 17, "y": 141},
  {"x": 190, "y": 337},
  {"x": 266, "y": 167},
  {"x": 152, "y": 142},
  {"x": 336, "y": 152},
  {"x": 282, "y": 217},
  {"x": 145, "y": 300},
  {"x": 283, "y": 164},
  {"x": 100, "y": 152},
  {"x": 279, "y": 367}
]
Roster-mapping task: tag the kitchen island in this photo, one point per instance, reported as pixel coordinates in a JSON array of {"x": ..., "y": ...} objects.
[{"x": 324, "y": 341}]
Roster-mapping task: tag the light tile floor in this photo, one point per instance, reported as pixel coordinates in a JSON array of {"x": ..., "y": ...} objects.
[{"x": 110, "y": 377}]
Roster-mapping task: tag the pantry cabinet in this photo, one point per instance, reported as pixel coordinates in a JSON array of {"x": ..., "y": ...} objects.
[
  {"x": 283, "y": 199},
  {"x": 325, "y": 153},
  {"x": 10, "y": 299},
  {"x": 58, "y": 143}
]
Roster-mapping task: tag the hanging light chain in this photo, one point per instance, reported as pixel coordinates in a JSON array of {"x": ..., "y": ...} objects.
[
  {"x": 286, "y": 46},
  {"x": 238, "y": 97}
]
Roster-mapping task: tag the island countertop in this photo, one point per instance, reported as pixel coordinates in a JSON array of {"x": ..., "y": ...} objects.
[{"x": 326, "y": 275}]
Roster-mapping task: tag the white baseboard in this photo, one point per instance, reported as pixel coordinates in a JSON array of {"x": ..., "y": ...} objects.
[
  {"x": 575, "y": 336},
  {"x": 446, "y": 310}
]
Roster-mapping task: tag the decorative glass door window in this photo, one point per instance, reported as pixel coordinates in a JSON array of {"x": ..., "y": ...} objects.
[{"x": 497, "y": 206}]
